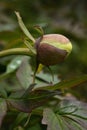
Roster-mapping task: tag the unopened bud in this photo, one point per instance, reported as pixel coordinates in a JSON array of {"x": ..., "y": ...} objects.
[{"x": 52, "y": 49}]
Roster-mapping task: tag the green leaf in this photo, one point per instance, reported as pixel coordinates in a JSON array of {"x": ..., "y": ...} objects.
[
  {"x": 73, "y": 107},
  {"x": 66, "y": 83},
  {"x": 53, "y": 121},
  {"x": 73, "y": 124},
  {"x": 24, "y": 73},
  {"x": 3, "y": 110},
  {"x": 14, "y": 64},
  {"x": 75, "y": 112},
  {"x": 68, "y": 114},
  {"x": 47, "y": 78},
  {"x": 23, "y": 27}
]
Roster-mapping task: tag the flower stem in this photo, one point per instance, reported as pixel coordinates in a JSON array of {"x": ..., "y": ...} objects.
[{"x": 16, "y": 51}]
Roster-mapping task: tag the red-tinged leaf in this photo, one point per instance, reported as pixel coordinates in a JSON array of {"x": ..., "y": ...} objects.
[
  {"x": 66, "y": 83},
  {"x": 28, "y": 103},
  {"x": 21, "y": 105},
  {"x": 25, "y": 105}
]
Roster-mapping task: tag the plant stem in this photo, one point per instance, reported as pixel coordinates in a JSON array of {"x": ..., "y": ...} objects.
[
  {"x": 16, "y": 51},
  {"x": 23, "y": 27}
]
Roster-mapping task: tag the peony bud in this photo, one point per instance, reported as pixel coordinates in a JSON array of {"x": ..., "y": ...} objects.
[{"x": 52, "y": 49}]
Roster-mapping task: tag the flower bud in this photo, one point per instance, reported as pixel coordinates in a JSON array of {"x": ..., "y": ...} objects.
[{"x": 52, "y": 49}]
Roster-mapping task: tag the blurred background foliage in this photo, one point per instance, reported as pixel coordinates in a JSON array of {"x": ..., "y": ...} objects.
[{"x": 67, "y": 17}]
